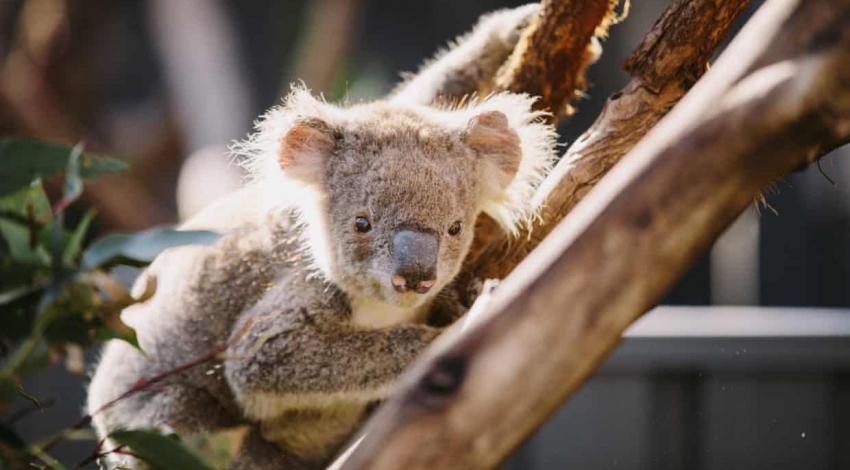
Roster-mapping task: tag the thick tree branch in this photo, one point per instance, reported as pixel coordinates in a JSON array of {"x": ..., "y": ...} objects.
[
  {"x": 773, "y": 102},
  {"x": 669, "y": 60},
  {"x": 555, "y": 50}
]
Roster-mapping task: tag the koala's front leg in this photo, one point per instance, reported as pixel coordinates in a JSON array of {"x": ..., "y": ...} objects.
[
  {"x": 304, "y": 358},
  {"x": 471, "y": 62}
]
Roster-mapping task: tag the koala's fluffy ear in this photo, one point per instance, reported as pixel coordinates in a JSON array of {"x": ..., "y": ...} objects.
[
  {"x": 304, "y": 149},
  {"x": 490, "y": 136}
]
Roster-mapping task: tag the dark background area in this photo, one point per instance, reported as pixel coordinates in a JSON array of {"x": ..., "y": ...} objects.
[{"x": 167, "y": 84}]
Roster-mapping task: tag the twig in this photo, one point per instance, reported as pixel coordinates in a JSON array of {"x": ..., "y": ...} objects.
[
  {"x": 24, "y": 412},
  {"x": 146, "y": 384},
  {"x": 97, "y": 454}
]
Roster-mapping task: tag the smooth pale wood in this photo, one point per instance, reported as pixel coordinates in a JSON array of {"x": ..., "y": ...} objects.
[{"x": 778, "y": 99}]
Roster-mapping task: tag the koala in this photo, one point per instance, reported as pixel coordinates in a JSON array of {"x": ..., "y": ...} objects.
[{"x": 334, "y": 257}]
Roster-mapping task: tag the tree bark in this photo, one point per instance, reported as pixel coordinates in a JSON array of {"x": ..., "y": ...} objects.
[
  {"x": 557, "y": 46},
  {"x": 778, "y": 98},
  {"x": 666, "y": 64}
]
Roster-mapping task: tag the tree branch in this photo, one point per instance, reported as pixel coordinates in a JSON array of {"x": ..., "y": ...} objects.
[
  {"x": 671, "y": 58},
  {"x": 555, "y": 50},
  {"x": 773, "y": 102}
]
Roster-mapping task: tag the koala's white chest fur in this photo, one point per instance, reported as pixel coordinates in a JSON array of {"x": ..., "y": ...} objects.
[{"x": 372, "y": 313}]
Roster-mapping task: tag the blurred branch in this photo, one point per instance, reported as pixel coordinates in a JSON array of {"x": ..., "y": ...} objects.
[
  {"x": 146, "y": 384},
  {"x": 778, "y": 98},
  {"x": 40, "y": 58},
  {"x": 327, "y": 38},
  {"x": 204, "y": 72}
]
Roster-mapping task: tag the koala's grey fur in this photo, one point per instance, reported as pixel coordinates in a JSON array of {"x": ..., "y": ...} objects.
[{"x": 317, "y": 333}]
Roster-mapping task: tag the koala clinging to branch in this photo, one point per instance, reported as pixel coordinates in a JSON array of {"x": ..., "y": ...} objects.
[{"x": 335, "y": 256}]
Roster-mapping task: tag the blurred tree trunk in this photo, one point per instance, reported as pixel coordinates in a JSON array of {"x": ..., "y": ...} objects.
[{"x": 47, "y": 81}]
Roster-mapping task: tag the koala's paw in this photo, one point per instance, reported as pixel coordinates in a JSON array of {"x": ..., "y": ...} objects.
[{"x": 508, "y": 25}]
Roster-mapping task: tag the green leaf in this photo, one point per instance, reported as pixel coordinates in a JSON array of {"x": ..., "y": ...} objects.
[
  {"x": 75, "y": 243},
  {"x": 85, "y": 434},
  {"x": 28, "y": 201},
  {"x": 32, "y": 399},
  {"x": 21, "y": 248},
  {"x": 160, "y": 451},
  {"x": 11, "y": 296},
  {"x": 73, "y": 178},
  {"x": 123, "y": 332},
  {"x": 24, "y": 161},
  {"x": 24, "y": 213},
  {"x": 46, "y": 458},
  {"x": 141, "y": 248}
]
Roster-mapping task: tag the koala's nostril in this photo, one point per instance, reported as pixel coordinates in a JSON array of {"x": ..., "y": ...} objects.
[
  {"x": 399, "y": 283},
  {"x": 425, "y": 286}
]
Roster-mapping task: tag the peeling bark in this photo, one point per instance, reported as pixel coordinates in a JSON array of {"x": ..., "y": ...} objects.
[
  {"x": 555, "y": 50},
  {"x": 671, "y": 58}
]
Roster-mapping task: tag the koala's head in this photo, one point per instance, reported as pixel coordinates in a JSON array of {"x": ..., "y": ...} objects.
[{"x": 389, "y": 193}]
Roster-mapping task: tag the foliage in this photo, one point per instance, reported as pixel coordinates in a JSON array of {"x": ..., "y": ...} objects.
[
  {"x": 212, "y": 451},
  {"x": 57, "y": 298}
]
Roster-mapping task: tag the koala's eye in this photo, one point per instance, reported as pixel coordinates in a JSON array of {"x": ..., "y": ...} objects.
[
  {"x": 454, "y": 230},
  {"x": 362, "y": 224}
]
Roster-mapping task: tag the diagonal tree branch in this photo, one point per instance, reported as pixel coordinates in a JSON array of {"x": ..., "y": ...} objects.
[
  {"x": 666, "y": 64},
  {"x": 554, "y": 52},
  {"x": 777, "y": 99}
]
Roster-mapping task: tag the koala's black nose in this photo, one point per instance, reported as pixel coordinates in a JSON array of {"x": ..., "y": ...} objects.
[{"x": 415, "y": 257}]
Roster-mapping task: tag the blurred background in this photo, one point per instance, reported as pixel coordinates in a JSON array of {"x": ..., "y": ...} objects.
[{"x": 759, "y": 380}]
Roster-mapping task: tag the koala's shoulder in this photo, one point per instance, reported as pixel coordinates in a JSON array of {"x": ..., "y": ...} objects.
[{"x": 190, "y": 280}]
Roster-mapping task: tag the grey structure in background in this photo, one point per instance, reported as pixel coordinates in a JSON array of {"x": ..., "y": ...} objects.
[{"x": 711, "y": 389}]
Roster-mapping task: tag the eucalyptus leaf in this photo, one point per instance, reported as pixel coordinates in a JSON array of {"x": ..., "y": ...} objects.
[
  {"x": 116, "y": 329},
  {"x": 23, "y": 215},
  {"x": 75, "y": 243},
  {"x": 21, "y": 247},
  {"x": 46, "y": 458},
  {"x": 26, "y": 160},
  {"x": 161, "y": 452},
  {"x": 73, "y": 188},
  {"x": 31, "y": 398},
  {"x": 9, "y": 297},
  {"x": 73, "y": 179},
  {"x": 27, "y": 201},
  {"x": 141, "y": 248}
]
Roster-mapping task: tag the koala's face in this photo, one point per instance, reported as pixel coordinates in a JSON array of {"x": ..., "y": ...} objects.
[
  {"x": 400, "y": 216},
  {"x": 399, "y": 198}
]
